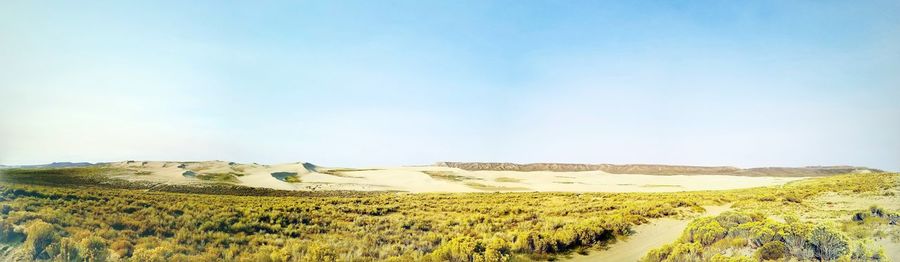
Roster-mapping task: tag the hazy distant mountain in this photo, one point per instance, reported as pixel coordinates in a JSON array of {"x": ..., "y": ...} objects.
[{"x": 51, "y": 165}]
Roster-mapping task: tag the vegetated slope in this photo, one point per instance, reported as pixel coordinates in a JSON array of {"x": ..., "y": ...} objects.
[
  {"x": 729, "y": 236},
  {"x": 647, "y": 169},
  {"x": 76, "y": 223},
  {"x": 104, "y": 177},
  {"x": 152, "y": 226},
  {"x": 839, "y": 224}
]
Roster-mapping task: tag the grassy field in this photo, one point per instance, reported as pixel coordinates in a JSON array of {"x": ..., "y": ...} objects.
[{"x": 82, "y": 214}]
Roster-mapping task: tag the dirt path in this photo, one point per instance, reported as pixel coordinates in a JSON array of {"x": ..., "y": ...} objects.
[{"x": 647, "y": 237}]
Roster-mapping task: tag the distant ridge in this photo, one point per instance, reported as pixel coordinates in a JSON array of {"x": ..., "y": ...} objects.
[
  {"x": 649, "y": 169},
  {"x": 51, "y": 165}
]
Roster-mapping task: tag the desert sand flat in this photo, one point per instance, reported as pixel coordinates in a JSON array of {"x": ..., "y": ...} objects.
[{"x": 420, "y": 179}]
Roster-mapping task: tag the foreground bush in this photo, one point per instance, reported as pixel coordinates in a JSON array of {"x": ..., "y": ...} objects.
[
  {"x": 828, "y": 243},
  {"x": 39, "y": 235},
  {"x": 772, "y": 251},
  {"x": 706, "y": 239},
  {"x": 93, "y": 249}
]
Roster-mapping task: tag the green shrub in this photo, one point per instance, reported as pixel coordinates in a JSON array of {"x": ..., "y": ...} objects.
[
  {"x": 93, "y": 249},
  {"x": 731, "y": 219},
  {"x": 497, "y": 249},
  {"x": 160, "y": 253},
  {"x": 290, "y": 177},
  {"x": 767, "y": 198},
  {"x": 686, "y": 252},
  {"x": 879, "y": 255},
  {"x": 8, "y": 233},
  {"x": 460, "y": 249},
  {"x": 40, "y": 234},
  {"x": 658, "y": 254},
  {"x": 877, "y": 211},
  {"x": 793, "y": 198},
  {"x": 893, "y": 218},
  {"x": 761, "y": 234},
  {"x": 798, "y": 245},
  {"x": 218, "y": 177},
  {"x": 724, "y": 258},
  {"x": 860, "y": 216},
  {"x": 122, "y": 248},
  {"x": 828, "y": 243},
  {"x": 65, "y": 249},
  {"x": 865, "y": 250},
  {"x": 704, "y": 230},
  {"x": 771, "y": 251},
  {"x": 531, "y": 242}
]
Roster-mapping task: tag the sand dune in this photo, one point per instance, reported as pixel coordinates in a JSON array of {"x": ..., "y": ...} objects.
[
  {"x": 647, "y": 169},
  {"x": 437, "y": 178}
]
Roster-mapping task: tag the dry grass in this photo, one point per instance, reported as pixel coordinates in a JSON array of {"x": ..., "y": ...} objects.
[
  {"x": 508, "y": 180},
  {"x": 343, "y": 172},
  {"x": 484, "y": 187},
  {"x": 447, "y": 176}
]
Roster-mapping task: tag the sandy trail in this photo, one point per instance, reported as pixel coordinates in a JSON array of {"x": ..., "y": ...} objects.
[
  {"x": 891, "y": 248},
  {"x": 647, "y": 237}
]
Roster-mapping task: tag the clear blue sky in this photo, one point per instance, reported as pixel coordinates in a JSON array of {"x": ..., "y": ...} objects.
[{"x": 358, "y": 83}]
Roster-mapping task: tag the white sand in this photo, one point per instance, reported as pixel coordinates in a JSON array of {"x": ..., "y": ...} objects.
[{"x": 416, "y": 179}]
